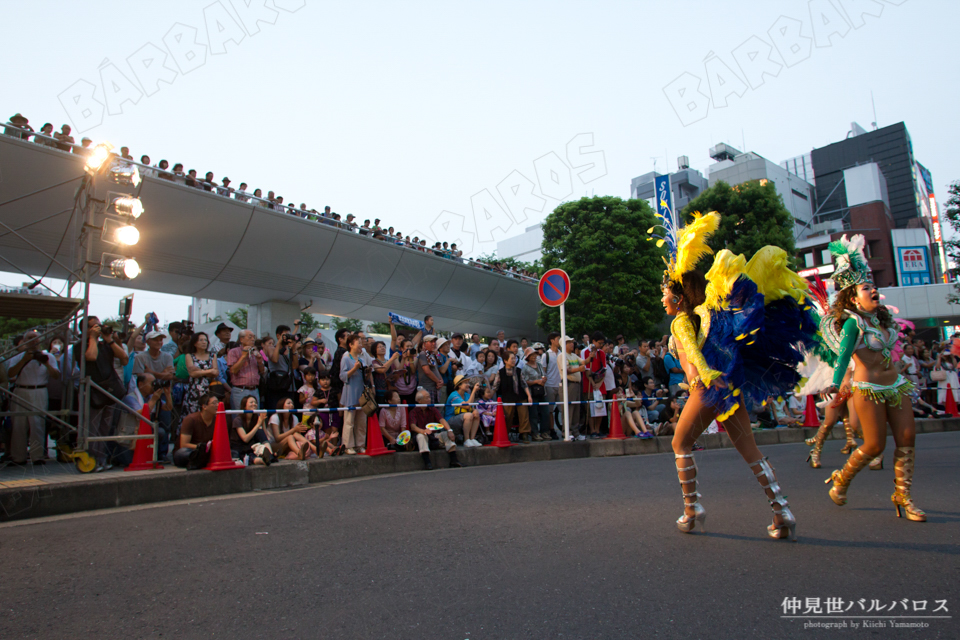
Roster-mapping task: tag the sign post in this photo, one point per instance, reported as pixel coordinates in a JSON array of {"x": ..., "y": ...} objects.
[{"x": 554, "y": 289}]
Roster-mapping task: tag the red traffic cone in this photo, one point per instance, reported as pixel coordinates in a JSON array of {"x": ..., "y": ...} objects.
[
  {"x": 500, "y": 438},
  {"x": 375, "y": 446},
  {"x": 142, "y": 454},
  {"x": 951, "y": 404},
  {"x": 220, "y": 458},
  {"x": 810, "y": 416},
  {"x": 616, "y": 429}
]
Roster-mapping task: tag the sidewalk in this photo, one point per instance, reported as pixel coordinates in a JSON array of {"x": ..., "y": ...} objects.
[{"x": 55, "y": 488}]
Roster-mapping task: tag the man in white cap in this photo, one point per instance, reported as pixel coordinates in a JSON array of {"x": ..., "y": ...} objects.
[{"x": 153, "y": 360}]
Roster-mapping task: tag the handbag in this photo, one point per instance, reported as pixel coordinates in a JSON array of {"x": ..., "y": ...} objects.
[
  {"x": 597, "y": 406},
  {"x": 279, "y": 380},
  {"x": 938, "y": 375},
  {"x": 368, "y": 401}
]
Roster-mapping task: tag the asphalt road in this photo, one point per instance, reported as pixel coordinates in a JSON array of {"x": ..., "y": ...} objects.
[{"x": 566, "y": 549}]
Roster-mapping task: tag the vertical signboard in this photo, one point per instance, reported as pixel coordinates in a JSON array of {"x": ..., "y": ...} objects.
[{"x": 914, "y": 266}]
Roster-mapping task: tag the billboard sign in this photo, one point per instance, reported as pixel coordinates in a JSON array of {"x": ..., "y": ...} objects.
[{"x": 914, "y": 266}]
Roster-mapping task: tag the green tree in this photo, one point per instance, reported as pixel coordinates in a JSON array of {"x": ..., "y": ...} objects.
[
  {"x": 752, "y": 216},
  {"x": 238, "y": 317},
  {"x": 308, "y": 324},
  {"x": 12, "y": 327},
  {"x": 509, "y": 263},
  {"x": 379, "y": 327},
  {"x": 350, "y": 324},
  {"x": 615, "y": 272},
  {"x": 952, "y": 214}
]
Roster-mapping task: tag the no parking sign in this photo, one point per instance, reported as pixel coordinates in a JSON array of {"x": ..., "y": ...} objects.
[{"x": 554, "y": 287}]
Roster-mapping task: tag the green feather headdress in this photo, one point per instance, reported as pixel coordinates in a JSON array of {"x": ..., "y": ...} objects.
[{"x": 851, "y": 263}]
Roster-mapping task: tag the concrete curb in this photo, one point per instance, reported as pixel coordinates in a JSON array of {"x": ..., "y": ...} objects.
[{"x": 121, "y": 490}]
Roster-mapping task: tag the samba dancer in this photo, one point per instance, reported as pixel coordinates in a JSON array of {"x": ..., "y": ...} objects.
[
  {"x": 863, "y": 329},
  {"x": 731, "y": 348}
]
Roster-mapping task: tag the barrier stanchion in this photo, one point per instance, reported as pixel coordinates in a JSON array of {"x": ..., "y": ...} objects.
[
  {"x": 220, "y": 457},
  {"x": 375, "y": 446},
  {"x": 500, "y": 438},
  {"x": 616, "y": 428},
  {"x": 810, "y": 416},
  {"x": 142, "y": 455},
  {"x": 951, "y": 404}
]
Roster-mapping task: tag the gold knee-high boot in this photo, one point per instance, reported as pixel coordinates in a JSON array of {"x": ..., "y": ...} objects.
[
  {"x": 841, "y": 478},
  {"x": 851, "y": 443},
  {"x": 902, "y": 479},
  {"x": 817, "y": 443}
]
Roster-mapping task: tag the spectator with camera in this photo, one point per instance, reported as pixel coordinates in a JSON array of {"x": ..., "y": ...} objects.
[
  {"x": 576, "y": 370},
  {"x": 99, "y": 353},
  {"x": 280, "y": 382},
  {"x": 246, "y": 369},
  {"x": 156, "y": 395},
  {"x": 31, "y": 370},
  {"x": 459, "y": 413},
  {"x": 427, "y": 368}
]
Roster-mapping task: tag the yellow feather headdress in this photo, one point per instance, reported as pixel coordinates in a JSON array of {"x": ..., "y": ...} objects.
[{"x": 692, "y": 245}]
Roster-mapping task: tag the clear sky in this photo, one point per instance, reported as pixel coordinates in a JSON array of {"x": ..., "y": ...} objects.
[{"x": 404, "y": 110}]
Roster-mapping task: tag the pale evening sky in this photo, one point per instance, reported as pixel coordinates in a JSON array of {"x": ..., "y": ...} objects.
[{"x": 402, "y": 111}]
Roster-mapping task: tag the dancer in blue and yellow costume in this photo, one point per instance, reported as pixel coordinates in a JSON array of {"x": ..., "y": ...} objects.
[
  {"x": 740, "y": 333},
  {"x": 861, "y": 328}
]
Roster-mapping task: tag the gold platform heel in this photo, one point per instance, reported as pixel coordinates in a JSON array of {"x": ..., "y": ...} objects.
[
  {"x": 851, "y": 443},
  {"x": 841, "y": 478},
  {"x": 877, "y": 463},
  {"x": 817, "y": 443},
  {"x": 778, "y": 502},
  {"x": 686, "y": 523},
  {"x": 902, "y": 479}
]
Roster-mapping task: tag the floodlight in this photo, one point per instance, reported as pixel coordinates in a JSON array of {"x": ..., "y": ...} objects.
[
  {"x": 98, "y": 156},
  {"x": 127, "y": 206},
  {"x": 119, "y": 232},
  {"x": 125, "y": 174},
  {"x": 120, "y": 267}
]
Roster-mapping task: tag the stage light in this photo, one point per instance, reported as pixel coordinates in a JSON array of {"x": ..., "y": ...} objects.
[
  {"x": 125, "y": 174},
  {"x": 98, "y": 156},
  {"x": 119, "y": 232},
  {"x": 127, "y": 206},
  {"x": 120, "y": 267}
]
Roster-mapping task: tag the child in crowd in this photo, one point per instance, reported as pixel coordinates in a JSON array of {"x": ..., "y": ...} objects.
[
  {"x": 488, "y": 410},
  {"x": 328, "y": 420},
  {"x": 308, "y": 390}
]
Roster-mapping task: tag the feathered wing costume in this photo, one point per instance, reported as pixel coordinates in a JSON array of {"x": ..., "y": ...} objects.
[{"x": 755, "y": 325}]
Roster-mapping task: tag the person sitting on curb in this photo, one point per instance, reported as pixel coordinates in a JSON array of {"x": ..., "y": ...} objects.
[
  {"x": 196, "y": 434},
  {"x": 459, "y": 412},
  {"x": 418, "y": 420}
]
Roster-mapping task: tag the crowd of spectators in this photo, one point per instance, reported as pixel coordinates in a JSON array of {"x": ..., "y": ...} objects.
[
  {"x": 183, "y": 375},
  {"x": 18, "y": 126}
]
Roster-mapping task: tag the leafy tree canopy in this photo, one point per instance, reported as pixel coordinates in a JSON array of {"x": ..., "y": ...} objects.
[
  {"x": 350, "y": 324},
  {"x": 615, "y": 271},
  {"x": 238, "y": 317},
  {"x": 752, "y": 216},
  {"x": 952, "y": 214}
]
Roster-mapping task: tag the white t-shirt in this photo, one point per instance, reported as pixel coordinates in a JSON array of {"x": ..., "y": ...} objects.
[{"x": 609, "y": 382}]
